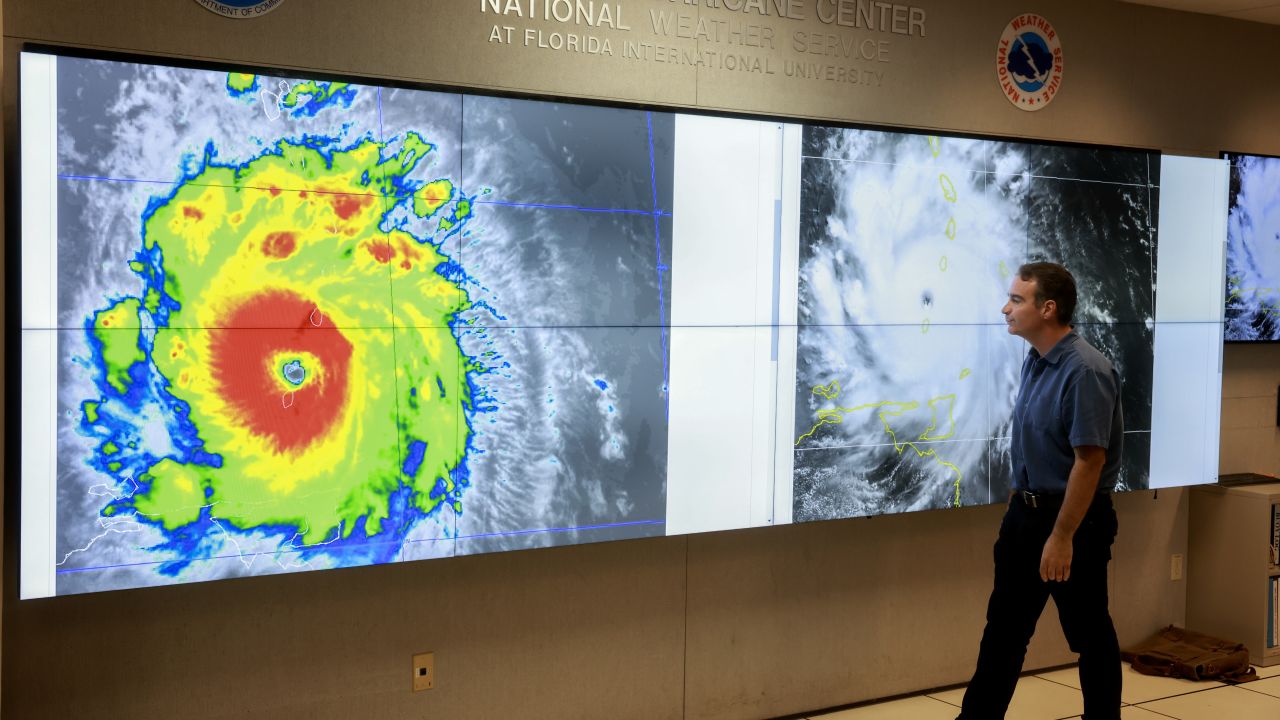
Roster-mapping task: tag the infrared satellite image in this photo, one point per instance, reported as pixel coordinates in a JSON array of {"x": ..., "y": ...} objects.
[{"x": 308, "y": 324}]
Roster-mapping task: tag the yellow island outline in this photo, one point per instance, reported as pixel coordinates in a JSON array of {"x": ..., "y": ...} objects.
[
  {"x": 1238, "y": 293},
  {"x": 892, "y": 409}
]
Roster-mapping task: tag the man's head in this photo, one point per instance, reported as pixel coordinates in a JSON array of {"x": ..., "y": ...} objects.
[{"x": 1042, "y": 300}]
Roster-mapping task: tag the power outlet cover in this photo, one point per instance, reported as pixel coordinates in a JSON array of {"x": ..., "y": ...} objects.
[
  {"x": 1175, "y": 567},
  {"x": 424, "y": 671}
]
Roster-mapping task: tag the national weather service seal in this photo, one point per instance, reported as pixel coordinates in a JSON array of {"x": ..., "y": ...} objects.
[
  {"x": 1029, "y": 62},
  {"x": 240, "y": 9}
]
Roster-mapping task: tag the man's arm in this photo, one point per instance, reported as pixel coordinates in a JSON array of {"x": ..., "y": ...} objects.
[{"x": 1082, "y": 484}]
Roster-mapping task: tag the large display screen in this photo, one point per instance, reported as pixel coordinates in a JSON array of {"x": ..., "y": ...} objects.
[
  {"x": 274, "y": 323},
  {"x": 1253, "y": 250}
]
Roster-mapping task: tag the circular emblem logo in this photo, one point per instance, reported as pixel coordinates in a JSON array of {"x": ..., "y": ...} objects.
[
  {"x": 242, "y": 9},
  {"x": 1029, "y": 62}
]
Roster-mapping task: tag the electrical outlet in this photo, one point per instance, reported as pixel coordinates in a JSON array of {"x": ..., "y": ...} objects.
[
  {"x": 1175, "y": 567},
  {"x": 424, "y": 671}
]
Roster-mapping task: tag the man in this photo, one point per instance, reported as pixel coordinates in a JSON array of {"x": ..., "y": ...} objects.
[{"x": 1057, "y": 531}]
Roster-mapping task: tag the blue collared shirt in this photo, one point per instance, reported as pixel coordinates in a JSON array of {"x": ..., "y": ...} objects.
[{"x": 1066, "y": 399}]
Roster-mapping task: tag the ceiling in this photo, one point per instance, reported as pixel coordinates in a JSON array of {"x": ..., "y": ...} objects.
[{"x": 1263, "y": 11}]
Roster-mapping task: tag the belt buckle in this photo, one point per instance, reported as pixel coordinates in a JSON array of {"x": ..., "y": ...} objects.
[{"x": 1031, "y": 499}]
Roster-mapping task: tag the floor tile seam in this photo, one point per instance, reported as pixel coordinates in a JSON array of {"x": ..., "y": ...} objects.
[
  {"x": 1155, "y": 712},
  {"x": 944, "y": 702},
  {"x": 1078, "y": 691},
  {"x": 1193, "y": 692},
  {"x": 1139, "y": 704},
  {"x": 887, "y": 702},
  {"x": 1122, "y": 704},
  {"x": 1055, "y": 682},
  {"x": 856, "y": 706},
  {"x": 929, "y": 693},
  {"x": 1245, "y": 686},
  {"x": 1180, "y": 694}
]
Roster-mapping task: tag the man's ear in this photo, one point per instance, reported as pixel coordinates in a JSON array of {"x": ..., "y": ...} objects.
[{"x": 1049, "y": 309}]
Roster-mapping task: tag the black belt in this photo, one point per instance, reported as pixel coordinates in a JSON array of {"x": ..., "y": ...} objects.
[
  {"x": 1040, "y": 500},
  {"x": 1048, "y": 500}
]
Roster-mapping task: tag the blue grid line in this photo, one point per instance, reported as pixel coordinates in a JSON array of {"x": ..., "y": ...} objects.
[
  {"x": 552, "y": 206},
  {"x": 382, "y": 131},
  {"x": 65, "y": 571},
  {"x": 657, "y": 244},
  {"x": 115, "y": 179},
  {"x": 510, "y": 533},
  {"x": 198, "y": 184},
  {"x": 539, "y": 206}
]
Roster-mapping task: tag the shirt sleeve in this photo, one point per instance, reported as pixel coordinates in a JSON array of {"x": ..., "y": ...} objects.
[{"x": 1087, "y": 408}]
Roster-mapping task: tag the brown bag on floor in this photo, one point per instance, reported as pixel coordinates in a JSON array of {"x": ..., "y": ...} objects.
[{"x": 1174, "y": 652}]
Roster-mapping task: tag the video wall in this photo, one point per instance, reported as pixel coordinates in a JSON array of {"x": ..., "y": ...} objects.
[
  {"x": 1253, "y": 250},
  {"x": 273, "y": 324}
]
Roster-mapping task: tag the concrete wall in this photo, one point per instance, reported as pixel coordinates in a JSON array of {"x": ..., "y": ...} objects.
[{"x": 748, "y": 624}]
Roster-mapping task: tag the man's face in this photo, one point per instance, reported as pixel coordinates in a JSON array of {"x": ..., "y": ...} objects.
[{"x": 1021, "y": 315}]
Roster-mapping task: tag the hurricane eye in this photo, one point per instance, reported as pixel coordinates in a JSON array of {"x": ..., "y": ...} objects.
[{"x": 294, "y": 373}]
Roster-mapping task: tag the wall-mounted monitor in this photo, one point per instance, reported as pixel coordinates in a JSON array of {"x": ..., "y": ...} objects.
[
  {"x": 273, "y": 323},
  {"x": 1253, "y": 249}
]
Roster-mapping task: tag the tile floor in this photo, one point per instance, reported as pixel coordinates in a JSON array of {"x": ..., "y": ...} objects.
[{"x": 1056, "y": 696}]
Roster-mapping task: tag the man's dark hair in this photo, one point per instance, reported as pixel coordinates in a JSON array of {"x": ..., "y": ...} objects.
[{"x": 1053, "y": 282}]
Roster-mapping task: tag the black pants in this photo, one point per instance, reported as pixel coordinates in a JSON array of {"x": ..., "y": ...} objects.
[{"x": 1019, "y": 597}]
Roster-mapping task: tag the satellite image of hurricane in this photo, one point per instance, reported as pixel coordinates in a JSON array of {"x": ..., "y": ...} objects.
[
  {"x": 1253, "y": 250},
  {"x": 310, "y": 324},
  {"x": 906, "y": 374}
]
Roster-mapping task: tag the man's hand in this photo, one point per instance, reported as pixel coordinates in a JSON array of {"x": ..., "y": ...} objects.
[{"x": 1055, "y": 561}]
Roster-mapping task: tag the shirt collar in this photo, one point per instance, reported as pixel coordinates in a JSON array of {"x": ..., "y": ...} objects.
[{"x": 1058, "y": 350}]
